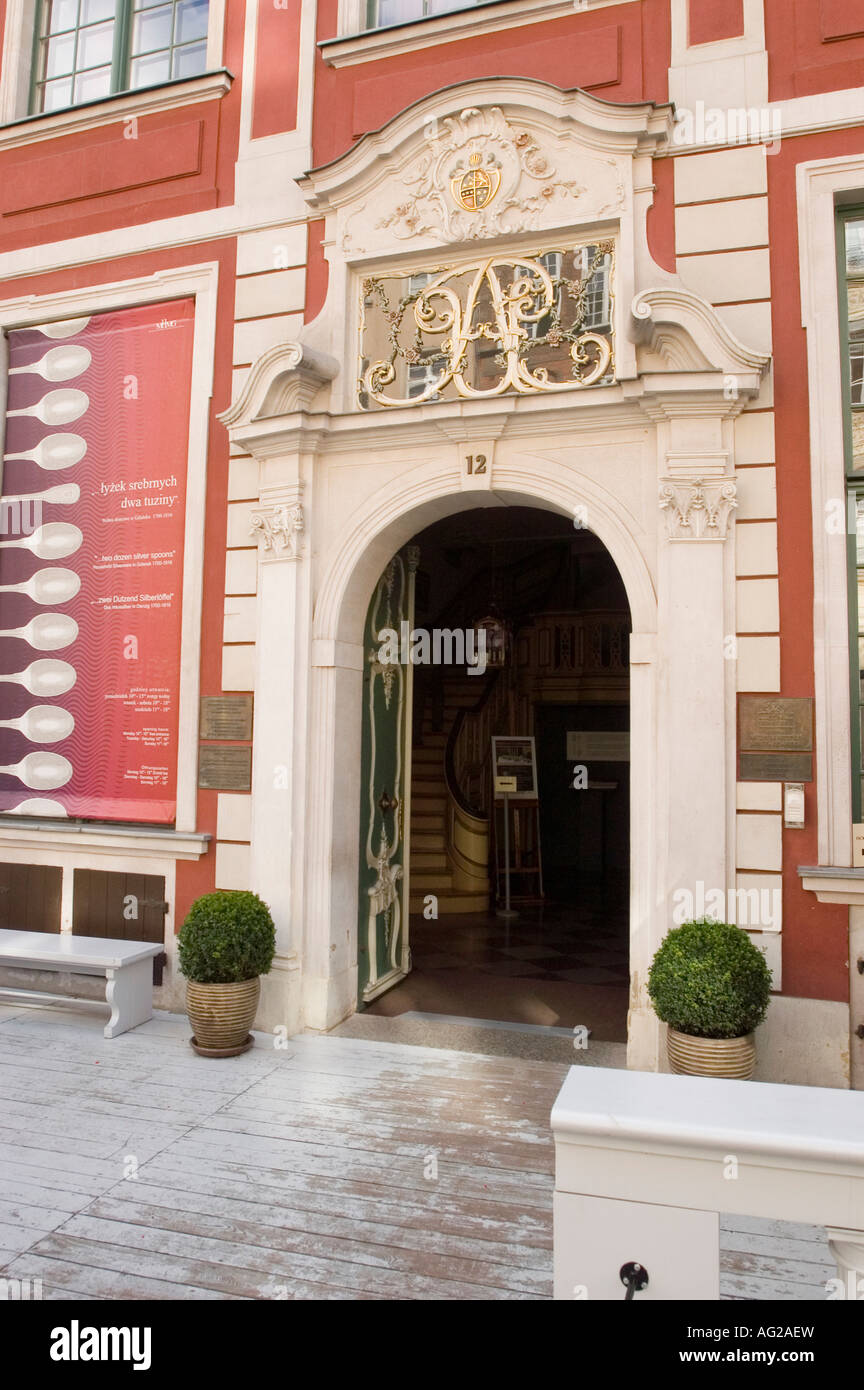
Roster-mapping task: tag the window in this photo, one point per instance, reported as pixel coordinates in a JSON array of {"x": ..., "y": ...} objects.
[
  {"x": 422, "y": 376},
  {"x": 553, "y": 263},
  {"x": 86, "y": 49},
  {"x": 597, "y": 294},
  {"x": 851, "y": 256},
  {"x": 380, "y": 13}
]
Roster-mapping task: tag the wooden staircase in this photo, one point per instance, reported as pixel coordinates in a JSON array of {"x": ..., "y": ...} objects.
[{"x": 430, "y": 868}]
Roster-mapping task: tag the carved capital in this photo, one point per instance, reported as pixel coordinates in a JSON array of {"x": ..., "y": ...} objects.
[
  {"x": 279, "y": 529},
  {"x": 696, "y": 509}
]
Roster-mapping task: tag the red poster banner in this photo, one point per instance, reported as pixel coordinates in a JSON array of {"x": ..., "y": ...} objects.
[{"x": 92, "y": 517}]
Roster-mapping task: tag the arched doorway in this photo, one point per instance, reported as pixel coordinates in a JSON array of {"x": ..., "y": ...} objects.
[
  {"x": 499, "y": 634},
  {"x": 349, "y": 575}
]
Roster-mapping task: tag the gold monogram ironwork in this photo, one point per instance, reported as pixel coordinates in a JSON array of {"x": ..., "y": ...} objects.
[{"x": 539, "y": 323}]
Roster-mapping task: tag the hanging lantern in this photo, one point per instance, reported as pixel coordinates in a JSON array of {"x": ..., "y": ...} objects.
[{"x": 497, "y": 638}]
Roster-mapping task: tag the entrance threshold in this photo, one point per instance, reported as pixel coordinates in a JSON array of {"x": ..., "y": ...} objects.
[
  {"x": 538, "y": 1029},
  {"x": 487, "y": 1037}
]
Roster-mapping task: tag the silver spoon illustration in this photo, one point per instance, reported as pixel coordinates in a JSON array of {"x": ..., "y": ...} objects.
[
  {"x": 58, "y": 364},
  {"x": 47, "y": 586},
  {"x": 62, "y": 493},
  {"x": 57, "y": 408},
  {"x": 42, "y": 723},
  {"x": 46, "y": 677},
  {"x": 54, "y": 452},
  {"x": 63, "y": 328},
  {"x": 37, "y": 806},
  {"x": 54, "y": 541},
  {"x": 41, "y": 771},
  {"x": 47, "y": 632}
]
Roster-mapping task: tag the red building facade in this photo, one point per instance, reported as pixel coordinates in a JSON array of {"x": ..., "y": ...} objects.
[{"x": 265, "y": 163}]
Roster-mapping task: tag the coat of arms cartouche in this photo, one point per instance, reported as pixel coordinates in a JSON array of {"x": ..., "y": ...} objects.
[{"x": 474, "y": 188}]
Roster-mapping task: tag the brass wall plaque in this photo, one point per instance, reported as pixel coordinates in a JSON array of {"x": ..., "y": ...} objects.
[
  {"x": 226, "y": 716},
  {"x": 225, "y": 769},
  {"x": 773, "y": 725},
  {"x": 775, "y": 767}
]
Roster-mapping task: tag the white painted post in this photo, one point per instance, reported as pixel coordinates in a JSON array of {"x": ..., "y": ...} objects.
[{"x": 644, "y": 1161}]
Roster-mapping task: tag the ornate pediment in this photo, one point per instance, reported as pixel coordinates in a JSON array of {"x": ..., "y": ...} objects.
[
  {"x": 499, "y": 157},
  {"x": 481, "y": 175}
]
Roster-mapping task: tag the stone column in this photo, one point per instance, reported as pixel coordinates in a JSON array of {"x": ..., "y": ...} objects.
[
  {"x": 694, "y": 633},
  {"x": 277, "y": 758}
]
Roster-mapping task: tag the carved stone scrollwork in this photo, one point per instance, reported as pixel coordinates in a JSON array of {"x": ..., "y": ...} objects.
[
  {"x": 280, "y": 530},
  {"x": 698, "y": 510},
  {"x": 286, "y": 378},
  {"x": 481, "y": 176}
]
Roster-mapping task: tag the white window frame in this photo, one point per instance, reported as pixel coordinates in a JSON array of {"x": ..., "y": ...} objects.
[
  {"x": 414, "y": 18},
  {"x": 421, "y": 374},
  {"x": 823, "y": 186},
  {"x": 17, "y": 68},
  {"x": 354, "y": 43},
  {"x": 605, "y": 319},
  {"x": 200, "y": 282}
]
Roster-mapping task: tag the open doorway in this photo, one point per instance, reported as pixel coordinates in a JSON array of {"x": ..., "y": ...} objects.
[{"x": 552, "y": 667}]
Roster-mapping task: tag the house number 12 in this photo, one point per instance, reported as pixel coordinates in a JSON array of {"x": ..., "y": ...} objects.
[{"x": 476, "y": 463}]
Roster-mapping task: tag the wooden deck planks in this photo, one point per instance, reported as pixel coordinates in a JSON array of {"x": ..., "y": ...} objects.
[{"x": 334, "y": 1168}]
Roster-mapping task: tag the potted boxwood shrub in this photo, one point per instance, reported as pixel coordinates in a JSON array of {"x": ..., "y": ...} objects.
[
  {"x": 711, "y": 986},
  {"x": 226, "y": 943}
]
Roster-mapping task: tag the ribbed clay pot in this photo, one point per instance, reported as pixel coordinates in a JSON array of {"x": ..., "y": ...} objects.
[
  {"x": 730, "y": 1057},
  {"x": 222, "y": 1016}
]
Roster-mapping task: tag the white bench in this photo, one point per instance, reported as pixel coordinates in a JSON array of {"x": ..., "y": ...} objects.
[
  {"x": 645, "y": 1161},
  {"x": 126, "y": 965}
]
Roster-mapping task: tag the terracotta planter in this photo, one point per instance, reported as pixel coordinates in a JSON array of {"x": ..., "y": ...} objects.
[
  {"x": 222, "y": 1016},
  {"x": 730, "y": 1057}
]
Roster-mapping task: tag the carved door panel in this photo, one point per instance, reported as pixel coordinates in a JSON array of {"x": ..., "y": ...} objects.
[{"x": 383, "y": 951}]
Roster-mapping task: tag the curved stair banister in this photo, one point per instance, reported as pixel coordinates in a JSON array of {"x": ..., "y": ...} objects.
[{"x": 467, "y": 774}]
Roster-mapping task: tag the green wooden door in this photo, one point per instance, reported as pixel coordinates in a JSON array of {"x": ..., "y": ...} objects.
[{"x": 383, "y": 952}]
